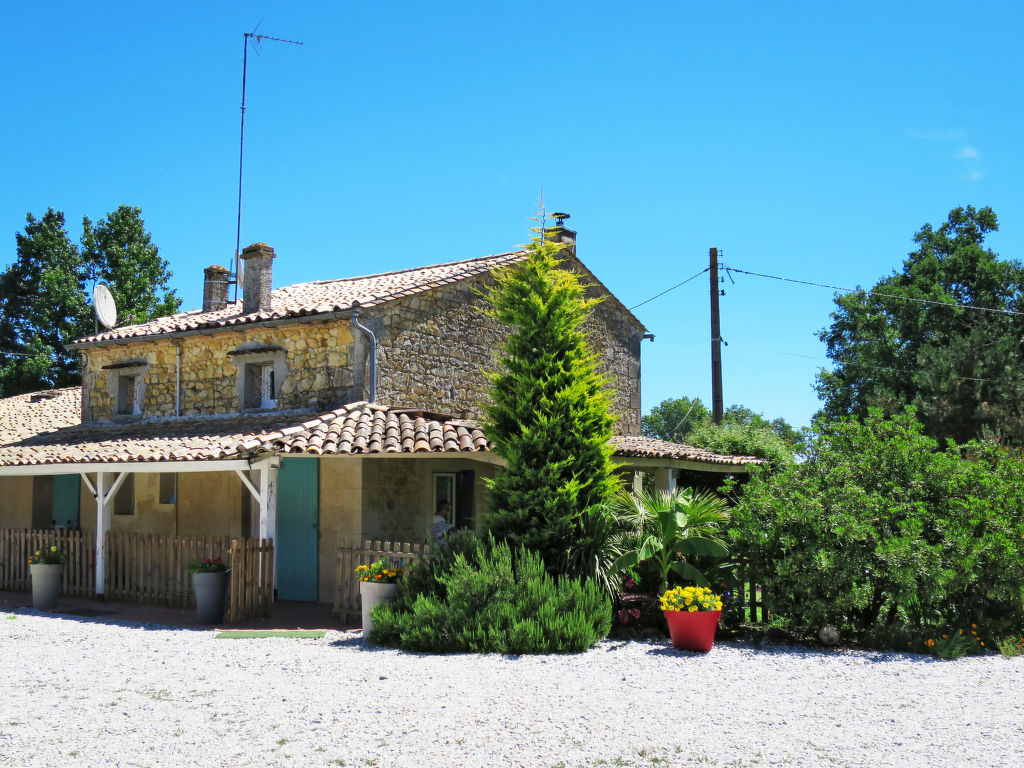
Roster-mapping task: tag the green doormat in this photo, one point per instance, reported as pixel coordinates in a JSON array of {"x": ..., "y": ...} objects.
[{"x": 247, "y": 634}]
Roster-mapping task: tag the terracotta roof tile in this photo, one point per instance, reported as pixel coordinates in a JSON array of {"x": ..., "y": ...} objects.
[
  {"x": 651, "y": 448},
  {"x": 45, "y": 430},
  {"x": 318, "y": 297}
]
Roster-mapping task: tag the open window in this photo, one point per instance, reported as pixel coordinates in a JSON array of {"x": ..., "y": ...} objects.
[
  {"x": 261, "y": 372},
  {"x": 128, "y": 401},
  {"x": 127, "y": 385},
  {"x": 260, "y": 386}
]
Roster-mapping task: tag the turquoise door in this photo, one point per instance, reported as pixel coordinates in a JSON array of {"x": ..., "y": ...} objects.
[
  {"x": 298, "y": 518},
  {"x": 66, "y": 489}
]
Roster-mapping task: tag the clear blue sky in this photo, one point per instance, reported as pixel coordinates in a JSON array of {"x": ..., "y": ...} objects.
[{"x": 806, "y": 140}]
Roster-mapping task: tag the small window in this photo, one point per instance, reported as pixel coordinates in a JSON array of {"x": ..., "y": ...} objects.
[
  {"x": 128, "y": 400},
  {"x": 168, "y": 487},
  {"x": 260, "y": 386},
  {"x": 124, "y": 501},
  {"x": 444, "y": 495}
]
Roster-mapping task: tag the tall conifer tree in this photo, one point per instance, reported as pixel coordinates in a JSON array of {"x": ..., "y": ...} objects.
[{"x": 549, "y": 416}]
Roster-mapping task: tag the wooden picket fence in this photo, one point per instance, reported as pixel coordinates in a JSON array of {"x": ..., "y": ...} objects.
[
  {"x": 152, "y": 569},
  {"x": 146, "y": 568},
  {"x": 354, "y": 552},
  {"x": 17, "y": 545},
  {"x": 252, "y": 579}
]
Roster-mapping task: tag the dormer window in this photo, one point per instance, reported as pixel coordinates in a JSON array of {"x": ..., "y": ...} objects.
[{"x": 261, "y": 372}]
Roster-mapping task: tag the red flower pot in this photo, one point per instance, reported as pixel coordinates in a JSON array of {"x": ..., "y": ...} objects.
[{"x": 692, "y": 630}]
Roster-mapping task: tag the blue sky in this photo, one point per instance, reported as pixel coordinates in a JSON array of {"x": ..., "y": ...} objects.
[{"x": 805, "y": 140}]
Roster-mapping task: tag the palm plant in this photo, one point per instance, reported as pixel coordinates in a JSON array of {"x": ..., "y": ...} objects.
[
  {"x": 597, "y": 544},
  {"x": 670, "y": 529}
]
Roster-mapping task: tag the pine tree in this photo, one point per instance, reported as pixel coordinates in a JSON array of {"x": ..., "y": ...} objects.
[{"x": 549, "y": 416}]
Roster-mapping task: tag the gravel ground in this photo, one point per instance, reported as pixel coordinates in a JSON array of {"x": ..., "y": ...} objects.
[{"x": 103, "y": 693}]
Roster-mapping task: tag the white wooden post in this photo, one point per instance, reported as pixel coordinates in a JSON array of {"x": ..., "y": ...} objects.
[
  {"x": 102, "y": 526},
  {"x": 104, "y": 498},
  {"x": 665, "y": 480}
]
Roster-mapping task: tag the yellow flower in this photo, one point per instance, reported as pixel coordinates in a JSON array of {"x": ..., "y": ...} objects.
[{"x": 53, "y": 548}]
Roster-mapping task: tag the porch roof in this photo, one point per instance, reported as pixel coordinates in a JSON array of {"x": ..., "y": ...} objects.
[{"x": 44, "y": 429}]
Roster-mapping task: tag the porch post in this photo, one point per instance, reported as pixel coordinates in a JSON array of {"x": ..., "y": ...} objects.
[
  {"x": 104, "y": 497},
  {"x": 665, "y": 480},
  {"x": 102, "y": 526},
  {"x": 638, "y": 482},
  {"x": 268, "y": 498}
]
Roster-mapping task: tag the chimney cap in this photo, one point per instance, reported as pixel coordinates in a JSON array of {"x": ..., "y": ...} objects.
[
  {"x": 560, "y": 216},
  {"x": 257, "y": 247},
  {"x": 216, "y": 269}
]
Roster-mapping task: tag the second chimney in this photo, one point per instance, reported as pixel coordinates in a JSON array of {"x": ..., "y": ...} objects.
[
  {"x": 256, "y": 285},
  {"x": 215, "y": 288},
  {"x": 561, "y": 233}
]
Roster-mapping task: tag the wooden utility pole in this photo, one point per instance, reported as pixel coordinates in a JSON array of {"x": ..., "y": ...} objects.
[{"x": 716, "y": 344}]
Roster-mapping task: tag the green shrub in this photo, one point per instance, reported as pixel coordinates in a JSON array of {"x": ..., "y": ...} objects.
[
  {"x": 880, "y": 530},
  {"x": 485, "y": 600}
]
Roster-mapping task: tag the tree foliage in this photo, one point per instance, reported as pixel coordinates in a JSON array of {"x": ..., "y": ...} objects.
[
  {"x": 549, "y": 416},
  {"x": 918, "y": 338},
  {"x": 742, "y": 432},
  {"x": 880, "y": 530},
  {"x": 44, "y": 293}
]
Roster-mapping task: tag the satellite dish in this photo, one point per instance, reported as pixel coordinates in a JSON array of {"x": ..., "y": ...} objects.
[{"x": 103, "y": 305}]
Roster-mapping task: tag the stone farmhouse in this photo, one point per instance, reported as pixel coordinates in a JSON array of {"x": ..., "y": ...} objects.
[{"x": 308, "y": 414}]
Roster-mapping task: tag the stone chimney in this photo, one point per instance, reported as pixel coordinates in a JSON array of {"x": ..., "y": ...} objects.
[
  {"x": 215, "y": 288},
  {"x": 561, "y": 233},
  {"x": 256, "y": 285}
]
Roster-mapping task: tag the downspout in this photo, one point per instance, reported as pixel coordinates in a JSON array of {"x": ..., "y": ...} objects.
[
  {"x": 177, "y": 383},
  {"x": 373, "y": 352}
]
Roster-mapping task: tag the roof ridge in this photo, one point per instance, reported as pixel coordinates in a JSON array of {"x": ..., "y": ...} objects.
[{"x": 402, "y": 271}]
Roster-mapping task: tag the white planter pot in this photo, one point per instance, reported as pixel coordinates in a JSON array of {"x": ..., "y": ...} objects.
[
  {"x": 370, "y": 594},
  {"x": 46, "y": 581}
]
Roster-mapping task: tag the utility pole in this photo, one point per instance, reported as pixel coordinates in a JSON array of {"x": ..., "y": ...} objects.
[{"x": 716, "y": 344}]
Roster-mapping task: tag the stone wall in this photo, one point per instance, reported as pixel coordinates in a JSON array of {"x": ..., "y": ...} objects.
[
  {"x": 436, "y": 347},
  {"x": 316, "y": 369}
]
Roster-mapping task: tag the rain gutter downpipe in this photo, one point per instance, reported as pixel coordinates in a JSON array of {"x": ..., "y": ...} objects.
[{"x": 373, "y": 352}]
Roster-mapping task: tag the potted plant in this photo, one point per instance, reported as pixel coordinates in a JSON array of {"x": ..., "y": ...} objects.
[
  {"x": 692, "y": 614},
  {"x": 210, "y": 584},
  {"x": 377, "y": 584},
  {"x": 47, "y": 569}
]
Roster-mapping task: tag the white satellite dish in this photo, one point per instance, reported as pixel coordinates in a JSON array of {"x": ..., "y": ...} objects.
[{"x": 103, "y": 305}]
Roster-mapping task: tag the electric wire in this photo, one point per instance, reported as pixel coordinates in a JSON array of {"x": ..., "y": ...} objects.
[
  {"x": 677, "y": 285},
  {"x": 876, "y": 293}
]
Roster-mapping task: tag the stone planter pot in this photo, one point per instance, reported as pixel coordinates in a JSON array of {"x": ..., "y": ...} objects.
[
  {"x": 46, "y": 581},
  {"x": 692, "y": 631},
  {"x": 211, "y": 590},
  {"x": 370, "y": 594}
]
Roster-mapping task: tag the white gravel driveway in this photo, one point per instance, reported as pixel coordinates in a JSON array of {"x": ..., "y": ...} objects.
[{"x": 88, "y": 693}]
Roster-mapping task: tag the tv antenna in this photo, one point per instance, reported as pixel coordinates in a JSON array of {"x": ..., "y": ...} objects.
[{"x": 257, "y": 43}]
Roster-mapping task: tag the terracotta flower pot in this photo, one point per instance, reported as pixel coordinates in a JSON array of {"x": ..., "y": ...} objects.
[
  {"x": 211, "y": 591},
  {"x": 46, "y": 581},
  {"x": 370, "y": 594},
  {"x": 692, "y": 630}
]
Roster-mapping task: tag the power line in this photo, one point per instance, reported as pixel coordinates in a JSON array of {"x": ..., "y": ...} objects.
[
  {"x": 876, "y": 293},
  {"x": 677, "y": 285}
]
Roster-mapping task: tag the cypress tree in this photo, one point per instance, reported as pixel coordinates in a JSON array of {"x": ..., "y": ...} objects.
[{"x": 550, "y": 412}]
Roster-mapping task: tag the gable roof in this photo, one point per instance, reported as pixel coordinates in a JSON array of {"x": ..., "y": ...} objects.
[
  {"x": 315, "y": 298},
  {"x": 326, "y": 297},
  {"x": 46, "y": 431}
]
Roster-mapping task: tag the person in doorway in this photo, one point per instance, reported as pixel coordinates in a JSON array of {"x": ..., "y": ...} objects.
[{"x": 439, "y": 525}]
